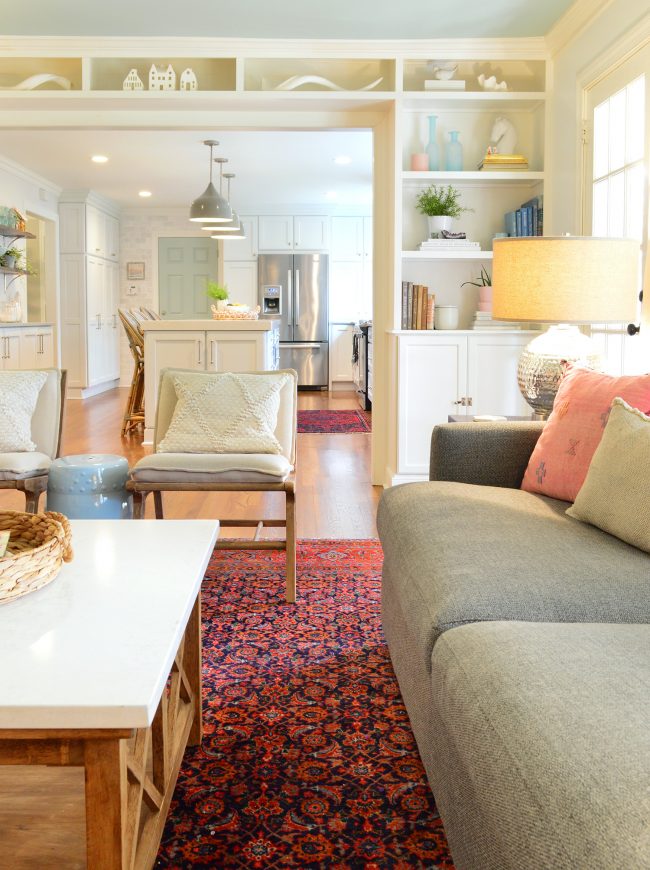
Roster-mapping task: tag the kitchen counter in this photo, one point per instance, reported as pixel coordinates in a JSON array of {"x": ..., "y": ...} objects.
[
  {"x": 21, "y": 325},
  {"x": 209, "y": 325}
]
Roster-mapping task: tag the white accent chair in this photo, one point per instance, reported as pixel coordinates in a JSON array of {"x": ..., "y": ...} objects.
[
  {"x": 226, "y": 472},
  {"x": 27, "y": 472}
]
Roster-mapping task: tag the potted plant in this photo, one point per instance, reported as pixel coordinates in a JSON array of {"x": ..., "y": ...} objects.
[
  {"x": 441, "y": 205},
  {"x": 484, "y": 279},
  {"x": 11, "y": 258},
  {"x": 484, "y": 283},
  {"x": 218, "y": 292}
]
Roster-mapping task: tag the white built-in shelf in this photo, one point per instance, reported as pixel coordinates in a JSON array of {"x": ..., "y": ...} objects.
[
  {"x": 492, "y": 177},
  {"x": 473, "y": 100},
  {"x": 446, "y": 255}
]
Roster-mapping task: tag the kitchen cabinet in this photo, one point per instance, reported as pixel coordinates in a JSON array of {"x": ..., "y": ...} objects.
[
  {"x": 242, "y": 250},
  {"x": 241, "y": 279},
  {"x": 87, "y": 229},
  {"x": 26, "y": 346},
  {"x": 340, "y": 350},
  {"x": 199, "y": 345},
  {"x": 299, "y": 233},
  {"x": 443, "y": 373},
  {"x": 351, "y": 268}
]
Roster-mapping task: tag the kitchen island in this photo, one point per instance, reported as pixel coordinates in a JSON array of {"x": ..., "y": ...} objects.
[{"x": 204, "y": 346}]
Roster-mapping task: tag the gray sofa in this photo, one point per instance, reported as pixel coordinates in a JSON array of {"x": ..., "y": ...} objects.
[{"x": 520, "y": 638}]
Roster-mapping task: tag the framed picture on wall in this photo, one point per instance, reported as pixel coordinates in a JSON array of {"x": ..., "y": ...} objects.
[{"x": 135, "y": 271}]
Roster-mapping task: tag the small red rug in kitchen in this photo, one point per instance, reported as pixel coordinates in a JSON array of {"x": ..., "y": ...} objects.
[{"x": 333, "y": 422}]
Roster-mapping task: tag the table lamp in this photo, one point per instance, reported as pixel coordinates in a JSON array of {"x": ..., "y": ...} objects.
[{"x": 563, "y": 281}]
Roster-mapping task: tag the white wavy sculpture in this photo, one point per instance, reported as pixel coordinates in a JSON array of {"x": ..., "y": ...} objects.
[
  {"x": 36, "y": 81},
  {"x": 294, "y": 82}
]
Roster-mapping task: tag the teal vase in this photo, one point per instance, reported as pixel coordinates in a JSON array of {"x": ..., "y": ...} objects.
[
  {"x": 432, "y": 148},
  {"x": 454, "y": 156}
]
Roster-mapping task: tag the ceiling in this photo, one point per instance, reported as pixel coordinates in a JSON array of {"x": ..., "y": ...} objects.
[
  {"x": 271, "y": 167},
  {"x": 276, "y": 19}
]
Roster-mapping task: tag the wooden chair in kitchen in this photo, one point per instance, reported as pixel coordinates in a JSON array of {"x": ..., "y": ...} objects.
[
  {"x": 226, "y": 472},
  {"x": 27, "y": 471},
  {"x": 134, "y": 411}
]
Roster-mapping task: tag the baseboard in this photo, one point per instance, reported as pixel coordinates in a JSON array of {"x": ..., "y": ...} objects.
[
  {"x": 95, "y": 390},
  {"x": 147, "y": 438},
  {"x": 341, "y": 385},
  {"x": 393, "y": 479}
]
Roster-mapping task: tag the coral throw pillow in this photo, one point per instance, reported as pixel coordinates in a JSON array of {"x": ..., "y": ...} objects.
[{"x": 560, "y": 461}]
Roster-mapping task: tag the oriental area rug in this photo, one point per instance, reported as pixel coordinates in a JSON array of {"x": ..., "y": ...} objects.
[
  {"x": 333, "y": 422},
  {"x": 308, "y": 760}
]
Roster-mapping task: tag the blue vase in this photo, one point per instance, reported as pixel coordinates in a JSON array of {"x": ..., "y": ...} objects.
[
  {"x": 432, "y": 148},
  {"x": 454, "y": 157}
]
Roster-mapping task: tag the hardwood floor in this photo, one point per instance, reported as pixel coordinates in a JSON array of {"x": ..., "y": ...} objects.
[{"x": 42, "y": 814}]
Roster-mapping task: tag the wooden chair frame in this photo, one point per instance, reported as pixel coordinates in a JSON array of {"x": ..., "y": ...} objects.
[
  {"x": 34, "y": 487},
  {"x": 134, "y": 411},
  {"x": 141, "y": 490}
]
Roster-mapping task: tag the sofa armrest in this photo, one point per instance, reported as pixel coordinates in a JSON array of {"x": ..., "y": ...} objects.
[{"x": 489, "y": 454}]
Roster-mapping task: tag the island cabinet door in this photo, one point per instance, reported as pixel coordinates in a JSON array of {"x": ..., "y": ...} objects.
[
  {"x": 235, "y": 351},
  {"x": 169, "y": 349}
]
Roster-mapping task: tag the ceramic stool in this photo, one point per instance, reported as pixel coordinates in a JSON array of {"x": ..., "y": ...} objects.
[{"x": 90, "y": 487}]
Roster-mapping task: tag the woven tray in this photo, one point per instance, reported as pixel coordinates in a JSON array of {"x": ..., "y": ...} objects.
[
  {"x": 225, "y": 314},
  {"x": 39, "y": 543}
]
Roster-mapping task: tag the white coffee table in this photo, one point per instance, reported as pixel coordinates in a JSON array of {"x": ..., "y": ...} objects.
[{"x": 102, "y": 669}]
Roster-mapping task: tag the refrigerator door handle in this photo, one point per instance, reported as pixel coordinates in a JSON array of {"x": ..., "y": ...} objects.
[
  {"x": 297, "y": 305},
  {"x": 300, "y": 345},
  {"x": 289, "y": 297}
]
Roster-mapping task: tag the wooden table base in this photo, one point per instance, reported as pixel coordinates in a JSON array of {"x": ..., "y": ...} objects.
[{"x": 130, "y": 774}]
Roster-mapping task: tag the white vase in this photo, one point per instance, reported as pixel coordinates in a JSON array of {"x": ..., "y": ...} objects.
[
  {"x": 222, "y": 304},
  {"x": 438, "y": 223}
]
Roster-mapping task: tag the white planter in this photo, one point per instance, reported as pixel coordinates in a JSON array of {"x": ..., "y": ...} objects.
[{"x": 438, "y": 223}]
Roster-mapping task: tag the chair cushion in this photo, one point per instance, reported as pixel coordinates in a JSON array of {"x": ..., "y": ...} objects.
[
  {"x": 614, "y": 496},
  {"x": 18, "y": 396},
  {"x": 212, "y": 468},
  {"x": 19, "y": 466},
  {"x": 225, "y": 413},
  {"x": 560, "y": 460}
]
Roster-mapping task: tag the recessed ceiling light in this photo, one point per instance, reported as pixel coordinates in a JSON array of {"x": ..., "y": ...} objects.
[
  {"x": 144, "y": 193},
  {"x": 342, "y": 160},
  {"x": 99, "y": 158},
  {"x": 331, "y": 194}
]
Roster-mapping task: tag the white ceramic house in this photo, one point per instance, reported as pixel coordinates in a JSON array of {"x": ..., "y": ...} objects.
[
  {"x": 161, "y": 79},
  {"x": 132, "y": 82},
  {"x": 188, "y": 80}
]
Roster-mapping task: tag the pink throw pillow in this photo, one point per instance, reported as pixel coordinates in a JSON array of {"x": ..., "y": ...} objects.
[{"x": 561, "y": 458}]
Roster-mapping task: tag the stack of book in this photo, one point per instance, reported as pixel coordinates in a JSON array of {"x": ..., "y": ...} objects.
[
  {"x": 444, "y": 85},
  {"x": 483, "y": 320},
  {"x": 418, "y": 306},
  {"x": 503, "y": 162},
  {"x": 449, "y": 245},
  {"x": 528, "y": 220}
]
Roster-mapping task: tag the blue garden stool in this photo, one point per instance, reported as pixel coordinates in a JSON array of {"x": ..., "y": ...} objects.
[{"x": 90, "y": 487}]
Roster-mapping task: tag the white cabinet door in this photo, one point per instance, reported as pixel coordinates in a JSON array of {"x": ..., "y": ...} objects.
[
  {"x": 173, "y": 349},
  {"x": 29, "y": 346},
  {"x": 241, "y": 279},
  {"x": 11, "y": 350},
  {"x": 242, "y": 249},
  {"x": 110, "y": 320},
  {"x": 95, "y": 290},
  {"x": 346, "y": 290},
  {"x": 432, "y": 375},
  {"x": 311, "y": 233},
  {"x": 112, "y": 231},
  {"x": 96, "y": 352},
  {"x": 347, "y": 238},
  {"x": 492, "y": 375},
  {"x": 275, "y": 233},
  {"x": 235, "y": 351},
  {"x": 95, "y": 231},
  {"x": 72, "y": 228},
  {"x": 341, "y": 352},
  {"x": 73, "y": 318},
  {"x": 45, "y": 349}
]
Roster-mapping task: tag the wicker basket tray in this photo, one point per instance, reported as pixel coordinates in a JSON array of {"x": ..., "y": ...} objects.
[
  {"x": 226, "y": 314},
  {"x": 39, "y": 543}
]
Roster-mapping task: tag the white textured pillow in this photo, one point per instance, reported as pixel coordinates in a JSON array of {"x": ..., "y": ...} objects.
[
  {"x": 225, "y": 413},
  {"x": 614, "y": 496},
  {"x": 18, "y": 396}
]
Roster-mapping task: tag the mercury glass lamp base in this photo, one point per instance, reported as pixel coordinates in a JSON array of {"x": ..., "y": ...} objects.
[{"x": 542, "y": 363}]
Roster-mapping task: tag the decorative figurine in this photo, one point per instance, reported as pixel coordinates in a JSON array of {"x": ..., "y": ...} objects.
[
  {"x": 132, "y": 82},
  {"x": 503, "y": 138},
  {"x": 188, "y": 80},
  {"x": 161, "y": 79}
]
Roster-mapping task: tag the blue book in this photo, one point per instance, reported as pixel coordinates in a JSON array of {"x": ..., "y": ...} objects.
[
  {"x": 510, "y": 223},
  {"x": 533, "y": 205},
  {"x": 518, "y": 222},
  {"x": 524, "y": 221}
]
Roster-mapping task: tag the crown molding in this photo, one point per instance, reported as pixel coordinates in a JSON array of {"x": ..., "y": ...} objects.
[
  {"x": 174, "y": 47},
  {"x": 24, "y": 174},
  {"x": 573, "y": 22},
  {"x": 91, "y": 197}
]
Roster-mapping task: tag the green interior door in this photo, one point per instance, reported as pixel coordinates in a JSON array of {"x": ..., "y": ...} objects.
[{"x": 184, "y": 268}]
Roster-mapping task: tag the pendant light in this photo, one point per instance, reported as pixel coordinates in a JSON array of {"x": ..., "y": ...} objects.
[
  {"x": 210, "y": 207},
  {"x": 233, "y": 229},
  {"x": 233, "y": 225}
]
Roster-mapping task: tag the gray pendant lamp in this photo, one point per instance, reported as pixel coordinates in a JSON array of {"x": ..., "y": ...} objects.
[
  {"x": 210, "y": 207},
  {"x": 233, "y": 229},
  {"x": 233, "y": 225}
]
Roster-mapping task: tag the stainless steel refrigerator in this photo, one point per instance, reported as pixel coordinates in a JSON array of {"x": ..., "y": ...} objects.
[{"x": 294, "y": 289}]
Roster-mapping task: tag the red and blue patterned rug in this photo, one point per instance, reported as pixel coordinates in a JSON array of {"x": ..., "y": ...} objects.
[
  {"x": 332, "y": 422},
  {"x": 308, "y": 759}
]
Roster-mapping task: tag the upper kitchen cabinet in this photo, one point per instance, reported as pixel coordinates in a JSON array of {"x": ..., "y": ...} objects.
[
  {"x": 242, "y": 250},
  {"x": 299, "y": 233},
  {"x": 86, "y": 229}
]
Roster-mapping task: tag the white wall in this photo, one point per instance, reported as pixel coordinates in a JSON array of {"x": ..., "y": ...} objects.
[{"x": 563, "y": 185}]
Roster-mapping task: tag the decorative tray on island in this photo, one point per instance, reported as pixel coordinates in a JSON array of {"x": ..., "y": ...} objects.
[{"x": 235, "y": 312}]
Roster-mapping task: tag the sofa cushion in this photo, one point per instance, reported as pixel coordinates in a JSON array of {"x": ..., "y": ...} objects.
[
  {"x": 614, "y": 496},
  {"x": 211, "y": 468},
  {"x": 20, "y": 466},
  {"x": 542, "y": 744},
  {"x": 560, "y": 460},
  {"x": 461, "y": 553}
]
